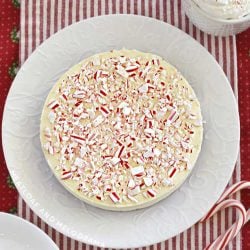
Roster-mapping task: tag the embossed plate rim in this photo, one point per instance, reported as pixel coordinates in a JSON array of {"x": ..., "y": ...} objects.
[{"x": 100, "y": 237}]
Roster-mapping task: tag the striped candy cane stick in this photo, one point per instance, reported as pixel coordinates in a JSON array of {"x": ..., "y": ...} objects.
[{"x": 243, "y": 215}]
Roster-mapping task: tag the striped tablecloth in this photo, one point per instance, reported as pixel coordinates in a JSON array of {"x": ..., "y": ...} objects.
[{"x": 42, "y": 18}]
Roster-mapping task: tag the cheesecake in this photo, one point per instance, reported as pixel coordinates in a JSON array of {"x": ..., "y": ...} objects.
[{"x": 121, "y": 130}]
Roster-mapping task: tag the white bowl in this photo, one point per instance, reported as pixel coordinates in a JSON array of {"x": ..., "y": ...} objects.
[
  {"x": 213, "y": 25},
  {"x": 19, "y": 234}
]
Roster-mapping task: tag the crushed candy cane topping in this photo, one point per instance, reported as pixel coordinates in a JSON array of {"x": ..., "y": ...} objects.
[{"x": 121, "y": 127}]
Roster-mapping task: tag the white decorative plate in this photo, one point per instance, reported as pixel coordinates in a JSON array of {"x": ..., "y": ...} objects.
[
  {"x": 58, "y": 207},
  {"x": 19, "y": 234}
]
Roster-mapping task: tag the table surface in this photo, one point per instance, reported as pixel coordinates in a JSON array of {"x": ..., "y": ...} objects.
[{"x": 9, "y": 48}]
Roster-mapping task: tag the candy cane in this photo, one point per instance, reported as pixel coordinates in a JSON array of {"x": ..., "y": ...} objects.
[
  {"x": 224, "y": 239},
  {"x": 233, "y": 189},
  {"x": 243, "y": 215}
]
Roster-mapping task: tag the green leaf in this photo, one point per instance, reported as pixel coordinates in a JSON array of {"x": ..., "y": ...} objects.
[
  {"x": 16, "y": 3},
  {"x": 13, "y": 69},
  {"x": 14, "y": 35},
  {"x": 10, "y": 182}
]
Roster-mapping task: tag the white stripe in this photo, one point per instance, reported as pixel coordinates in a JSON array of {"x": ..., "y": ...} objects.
[
  {"x": 205, "y": 40},
  {"x": 161, "y": 9},
  {"x": 72, "y": 244},
  {"x": 59, "y": 13},
  {"x": 176, "y": 10},
  {"x": 147, "y": 247},
  {"x": 125, "y": 7},
  {"x": 30, "y": 27},
  {"x": 81, "y": 10},
  {"x": 146, "y": 8},
  {"x": 27, "y": 209},
  {"x": 43, "y": 225},
  {"x": 74, "y": 9},
  {"x": 80, "y": 245},
  {"x": 57, "y": 240},
  {"x": 183, "y": 19},
  {"x": 168, "y": 12},
  {"x": 170, "y": 245},
  {"x": 44, "y": 20},
  {"x": 88, "y": 8},
  {"x": 95, "y": 7},
  {"x": 87, "y": 247},
  {"x": 37, "y": 23},
  {"x": 221, "y": 62},
  {"x": 117, "y": 9},
  {"x": 200, "y": 225},
  {"x": 236, "y": 89},
  {"x": 178, "y": 240},
  {"x": 228, "y": 58},
  {"x": 185, "y": 239},
  {"x": 102, "y": 8},
  {"x": 50, "y": 231},
  {"x": 52, "y": 15},
  {"x": 213, "y": 46},
  {"x": 66, "y": 13},
  {"x": 22, "y": 29},
  {"x": 139, "y": 7},
  {"x": 192, "y": 237},
  {"x": 64, "y": 242},
  {"x": 94, "y": 247},
  {"x": 207, "y": 232},
  {"x": 20, "y": 206},
  {"x": 154, "y": 8},
  {"x": 215, "y": 226},
  {"x": 132, "y": 7},
  {"x": 110, "y": 6},
  {"x": 163, "y": 245}
]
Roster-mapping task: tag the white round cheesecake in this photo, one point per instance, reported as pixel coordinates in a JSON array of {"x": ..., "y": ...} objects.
[{"x": 121, "y": 130}]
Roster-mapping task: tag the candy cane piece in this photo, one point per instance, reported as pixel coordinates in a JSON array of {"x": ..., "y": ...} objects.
[
  {"x": 233, "y": 189},
  {"x": 226, "y": 237}
]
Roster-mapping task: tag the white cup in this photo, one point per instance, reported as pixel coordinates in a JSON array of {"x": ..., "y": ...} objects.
[{"x": 213, "y": 25}]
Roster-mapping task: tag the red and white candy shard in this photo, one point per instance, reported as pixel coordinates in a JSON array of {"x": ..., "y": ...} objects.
[{"x": 122, "y": 126}]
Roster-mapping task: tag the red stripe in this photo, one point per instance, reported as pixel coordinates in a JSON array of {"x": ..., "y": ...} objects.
[
  {"x": 99, "y": 6},
  {"x": 164, "y": 11},
  {"x": 26, "y": 28},
  {"x": 33, "y": 26},
  {"x": 172, "y": 12},
  {"x": 113, "y": 6},
  {"x": 77, "y": 10},
  {"x": 91, "y": 8},
  {"x": 143, "y": 7},
  {"x": 70, "y": 12},
  {"x": 180, "y": 21},
  {"x": 128, "y": 6},
  {"x": 106, "y": 7},
  {"x": 187, "y": 25},
  {"x": 157, "y": 7},
  {"x": 84, "y": 10},
  {"x": 194, "y": 32},
  {"x": 202, "y": 38},
  {"x": 121, "y": 6},
  {"x": 76, "y": 245},
  {"x": 209, "y": 43},
  {"x": 55, "y": 16},
  {"x": 136, "y": 7},
  {"x": 41, "y": 21},
  {"x": 63, "y": 15},
  {"x": 150, "y": 8},
  {"x": 48, "y": 18}
]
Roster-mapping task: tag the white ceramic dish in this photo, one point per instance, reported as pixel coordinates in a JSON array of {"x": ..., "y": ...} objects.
[
  {"x": 61, "y": 209},
  {"x": 18, "y": 234},
  {"x": 212, "y": 25}
]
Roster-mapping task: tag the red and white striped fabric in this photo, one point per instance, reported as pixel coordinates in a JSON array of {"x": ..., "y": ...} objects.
[{"x": 42, "y": 18}]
